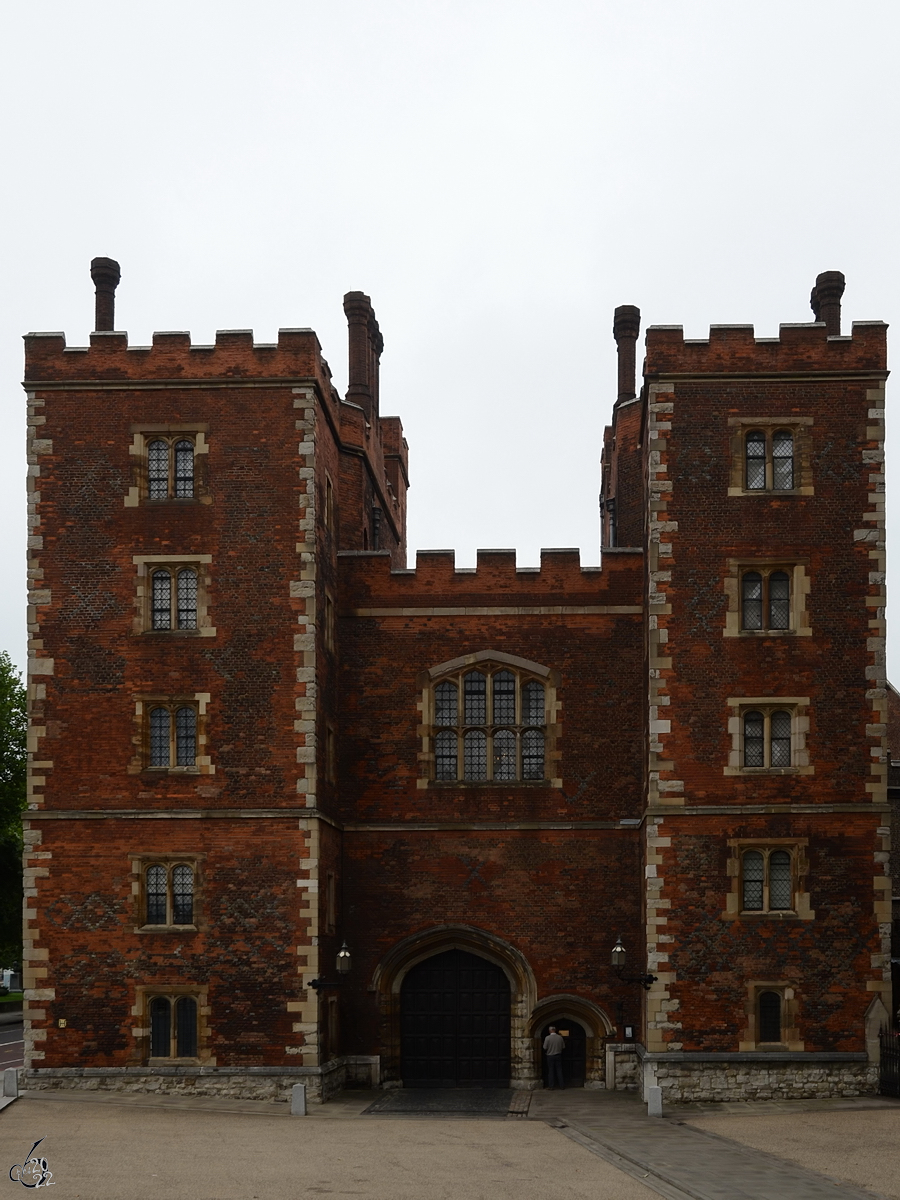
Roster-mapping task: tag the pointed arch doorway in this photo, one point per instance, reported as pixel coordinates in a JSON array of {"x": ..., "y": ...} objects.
[{"x": 455, "y": 1023}]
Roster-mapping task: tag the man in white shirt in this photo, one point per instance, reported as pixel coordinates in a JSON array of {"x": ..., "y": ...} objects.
[{"x": 553, "y": 1048}]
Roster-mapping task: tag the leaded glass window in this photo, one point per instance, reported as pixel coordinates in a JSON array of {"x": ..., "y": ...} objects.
[
  {"x": 780, "y": 885},
  {"x": 504, "y": 754},
  {"x": 445, "y": 704},
  {"x": 489, "y": 727},
  {"x": 475, "y": 698},
  {"x": 161, "y": 600},
  {"x": 533, "y": 703},
  {"x": 504, "y": 693},
  {"x": 781, "y": 739},
  {"x": 184, "y": 468},
  {"x": 158, "y": 469},
  {"x": 182, "y": 895},
  {"x": 779, "y": 600},
  {"x": 770, "y": 1017},
  {"x": 783, "y": 460},
  {"x": 173, "y": 1038},
  {"x": 187, "y": 599},
  {"x": 756, "y": 460},
  {"x": 160, "y": 749},
  {"x": 475, "y": 756},
  {"x": 533, "y": 754},
  {"x": 445, "y": 755},
  {"x": 157, "y": 891},
  {"x": 753, "y": 880},
  {"x": 754, "y": 740},
  {"x": 752, "y": 600},
  {"x": 186, "y": 737}
]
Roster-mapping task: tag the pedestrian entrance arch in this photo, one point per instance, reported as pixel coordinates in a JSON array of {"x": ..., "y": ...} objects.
[{"x": 574, "y": 1057}]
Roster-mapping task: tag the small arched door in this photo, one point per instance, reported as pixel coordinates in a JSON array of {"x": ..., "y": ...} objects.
[
  {"x": 455, "y": 1023},
  {"x": 575, "y": 1054}
]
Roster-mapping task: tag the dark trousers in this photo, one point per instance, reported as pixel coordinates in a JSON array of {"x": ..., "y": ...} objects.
[{"x": 554, "y": 1071}]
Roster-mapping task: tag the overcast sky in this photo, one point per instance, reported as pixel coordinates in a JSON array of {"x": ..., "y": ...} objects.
[{"x": 497, "y": 175}]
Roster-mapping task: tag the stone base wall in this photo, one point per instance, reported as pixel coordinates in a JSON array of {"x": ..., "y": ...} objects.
[
  {"x": 688, "y": 1083},
  {"x": 222, "y": 1083}
]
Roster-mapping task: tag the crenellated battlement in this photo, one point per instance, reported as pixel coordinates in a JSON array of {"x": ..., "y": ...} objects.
[
  {"x": 734, "y": 349},
  {"x": 368, "y": 580},
  {"x": 172, "y": 355}
]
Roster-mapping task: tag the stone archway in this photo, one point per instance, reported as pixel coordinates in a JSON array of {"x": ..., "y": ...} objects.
[
  {"x": 589, "y": 1016},
  {"x": 390, "y": 973}
]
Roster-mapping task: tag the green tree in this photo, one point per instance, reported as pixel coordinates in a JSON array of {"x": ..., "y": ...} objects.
[{"x": 13, "y": 721}]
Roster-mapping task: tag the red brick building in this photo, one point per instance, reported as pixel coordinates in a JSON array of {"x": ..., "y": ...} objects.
[{"x": 257, "y": 736}]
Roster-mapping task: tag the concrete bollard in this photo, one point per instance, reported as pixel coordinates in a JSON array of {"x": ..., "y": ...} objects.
[
  {"x": 298, "y": 1100},
  {"x": 654, "y": 1101},
  {"x": 10, "y": 1082}
]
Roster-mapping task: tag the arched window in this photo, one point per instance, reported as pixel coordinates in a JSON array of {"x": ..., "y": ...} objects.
[
  {"x": 496, "y": 719},
  {"x": 475, "y": 756},
  {"x": 182, "y": 895},
  {"x": 161, "y": 600},
  {"x": 783, "y": 460},
  {"x": 752, "y": 600},
  {"x": 156, "y": 884},
  {"x": 769, "y": 1017},
  {"x": 779, "y": 600},
  {"x": 753, "y": 881},
  {"x": 173, "y": 1038},
  {"x": 754, "y": 740},
  {"x": 768, "y": 738},
  {"x": 755, "y": 460},
  {"x": 184, "y": 468},
  {"x": 160, "y": 1027},
  {"x": 446, "y": 752},
  {"x": 767, "y": 880},
  {"x": 187, "y": 599},
  {"x": 780, "y": 883},
  {"x": 186, "y": 737},
  {"x": 158, "y": 469},
  {"x": 172, "y": 735},
  {"x": 781, "y": 739},
  {"x": 160, "y": 748}
]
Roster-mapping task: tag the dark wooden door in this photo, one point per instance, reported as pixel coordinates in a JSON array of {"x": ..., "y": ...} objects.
[
  {"x": 454, "y": 1013},
  {"x": 575, "y": 1054}
]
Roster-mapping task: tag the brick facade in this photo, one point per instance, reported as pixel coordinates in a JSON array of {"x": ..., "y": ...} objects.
[{"x": 318, "y": 809}]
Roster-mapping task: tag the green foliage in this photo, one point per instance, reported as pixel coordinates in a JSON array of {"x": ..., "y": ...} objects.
[{"x": 13, "y": 721}]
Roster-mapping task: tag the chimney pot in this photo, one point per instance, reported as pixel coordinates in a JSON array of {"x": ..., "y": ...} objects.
[
  {"x": 825, "y": 300},
  {"x": 106, "y": 275},
  {"x": 626, "y": 327}
]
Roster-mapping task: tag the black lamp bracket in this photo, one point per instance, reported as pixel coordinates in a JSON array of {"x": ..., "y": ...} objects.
[
  {"x": 318, "y": 984},
  {"x": 646, "y": 981}
]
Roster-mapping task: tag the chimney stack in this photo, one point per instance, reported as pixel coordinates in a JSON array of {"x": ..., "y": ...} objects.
[
  {"x": 626, "y": 327},
  {"x": 825, "y": 301},
  {"x": 106, "y": 276},
  {"x": 366, "y": 345}
]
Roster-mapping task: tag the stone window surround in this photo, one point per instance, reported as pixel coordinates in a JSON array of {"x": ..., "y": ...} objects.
[
  {"x": 145, "y": 432},
  {"x": 485, "y": 660},
  {"x": 144, "y": 993},
  {"x": 797, "y": 848},
  {"x": 140, "y": 761},
  {"x": 145, "y": 565},
  {"x": 799, "y": 427},
  {"x": 140, "y": 861},
  {"x": 796, "y": 706},
  {"x": 790, "y": 1007},
  {"x": 797, "y": 569}
]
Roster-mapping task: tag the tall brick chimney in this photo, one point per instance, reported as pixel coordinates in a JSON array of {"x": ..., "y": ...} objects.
[
  {"x": 105, "y": 274},
  {"x": 626, "y": 327},
  {"x": 825, "y": 300},
  {"x": 366, "y": 345}
]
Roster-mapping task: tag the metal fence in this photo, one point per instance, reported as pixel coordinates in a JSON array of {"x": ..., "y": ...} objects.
[{"x": 889, "y": 1084}]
